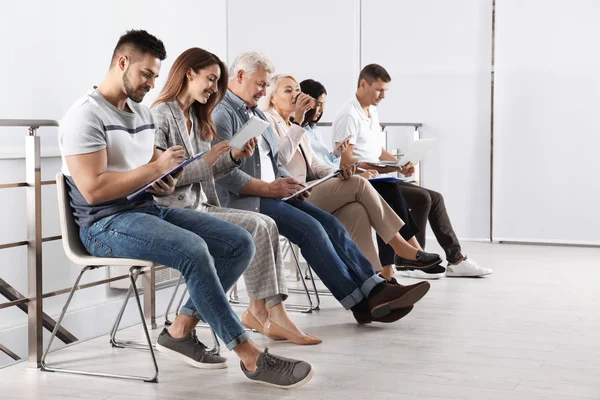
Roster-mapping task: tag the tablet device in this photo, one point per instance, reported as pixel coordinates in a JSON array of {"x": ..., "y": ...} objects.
[
  {"x": 416, "y": 151},
  {"x": 313, "y": 184},
  {"x": 140, "y": 192},
  {"x": 251, "y": 129}
]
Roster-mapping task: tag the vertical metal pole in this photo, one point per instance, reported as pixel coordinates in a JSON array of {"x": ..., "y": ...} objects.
[
  {"x": 34, "y": 248},
  {"x": 149, "y": 282},
  {"x": 417, "y": 136},
  {"x": 492, "y": 121}
]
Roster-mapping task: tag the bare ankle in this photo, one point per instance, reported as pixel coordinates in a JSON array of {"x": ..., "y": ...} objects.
[
  {"x": 182, "y": 326},
  {"x": 248, "y": 354},
  {"x": 258, "y": 309}
]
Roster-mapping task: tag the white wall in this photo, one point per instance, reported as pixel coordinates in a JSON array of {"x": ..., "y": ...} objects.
[
  {"x": 309, "y": 39},
  {"x": 53, "y": 52},
  {"x": 439, "y": 56},
  {"x": 547, "y": 121},
  {"x": 438, "y": 53}
]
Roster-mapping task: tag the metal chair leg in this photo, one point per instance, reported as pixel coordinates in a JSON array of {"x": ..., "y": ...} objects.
[
  {"x": 168, "y": 311},
  {"x": 127, "y": 343},
  {"x": 46, "y": 367},
  {"x": 297, "y": 261},
  {"x": 134, "y": 272},
  {"x": 307, "y": 309}
]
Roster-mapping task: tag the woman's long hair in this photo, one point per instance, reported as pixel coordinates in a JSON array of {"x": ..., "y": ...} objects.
[{"x": 196, "y": 59}]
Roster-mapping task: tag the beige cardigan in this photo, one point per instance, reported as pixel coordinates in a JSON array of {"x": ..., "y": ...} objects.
[{"x": 289, "y": 138}]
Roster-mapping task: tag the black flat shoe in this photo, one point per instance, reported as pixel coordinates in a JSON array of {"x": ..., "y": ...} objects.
[{"x": 424, "y": 260}]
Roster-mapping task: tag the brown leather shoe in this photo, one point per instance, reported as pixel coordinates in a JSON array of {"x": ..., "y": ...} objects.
[
  {"x": 251, "y": 322},
  {"x": 271, "y": 328},
  {"x": 394, "y": 316},
  {"x": 393, "y": 297}
]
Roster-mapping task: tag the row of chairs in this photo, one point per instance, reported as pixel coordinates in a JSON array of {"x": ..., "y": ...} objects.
[{"x": 77, "y": 254}]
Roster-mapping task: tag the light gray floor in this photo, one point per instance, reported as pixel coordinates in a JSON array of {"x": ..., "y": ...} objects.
[{"x": 528, "y": 332}]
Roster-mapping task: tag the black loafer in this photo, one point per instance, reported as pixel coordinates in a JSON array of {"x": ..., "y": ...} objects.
[{"x": 424, "y": 260}]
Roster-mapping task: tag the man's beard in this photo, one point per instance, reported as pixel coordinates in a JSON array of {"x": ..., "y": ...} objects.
[{"x": 130, "y": 90}]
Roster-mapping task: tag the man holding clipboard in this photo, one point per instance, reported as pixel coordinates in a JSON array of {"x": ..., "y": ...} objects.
[
  {"x": 358, "y": 120},
  {"x": 107, "y": 144},
  {"x": 261, "y": 182}
]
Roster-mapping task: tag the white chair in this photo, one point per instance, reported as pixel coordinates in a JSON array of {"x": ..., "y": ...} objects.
[{"x": 78, "y": 255}]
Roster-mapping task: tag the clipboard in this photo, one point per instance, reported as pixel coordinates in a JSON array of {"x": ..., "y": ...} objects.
[
  {"x": 140, "y": 192},
  {"x": 313, "y": 184},
  {"x": 254, "y": 127}
]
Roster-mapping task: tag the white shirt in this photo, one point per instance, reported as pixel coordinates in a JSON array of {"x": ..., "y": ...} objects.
[
  {"x": 364, "y": 132},
  {"x": 267, "y": 173}
]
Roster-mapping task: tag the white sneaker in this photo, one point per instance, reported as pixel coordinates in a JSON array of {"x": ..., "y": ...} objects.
[
  {"x": 435, "y": 272},
  {"x": 465, "y": 268}
]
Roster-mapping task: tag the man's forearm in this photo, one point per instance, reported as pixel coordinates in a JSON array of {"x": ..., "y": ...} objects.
[{"x": 256, "y": 187}]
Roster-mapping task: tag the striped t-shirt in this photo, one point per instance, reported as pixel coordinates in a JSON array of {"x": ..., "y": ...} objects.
[{"x": 93, "y": 124}]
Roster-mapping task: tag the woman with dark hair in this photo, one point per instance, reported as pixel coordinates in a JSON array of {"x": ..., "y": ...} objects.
[
  {"x": 196, "y": 83},
  {"x": 317, "y": 91},
  {"x": 351, "y": 199}
]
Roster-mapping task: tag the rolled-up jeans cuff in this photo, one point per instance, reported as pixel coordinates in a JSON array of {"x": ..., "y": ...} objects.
[
  {"x": 352, "y": 299},
  {"x": 370, "y": 284},
  {"x": 190, "y": 313},
  {"x": 244, "y": 337}
]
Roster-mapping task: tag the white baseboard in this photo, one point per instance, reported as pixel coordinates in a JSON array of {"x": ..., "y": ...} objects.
[{"x": 554, "y": 242}]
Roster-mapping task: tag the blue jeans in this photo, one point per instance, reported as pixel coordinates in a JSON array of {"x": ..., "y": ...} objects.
[
  {"x": 327, "y": 247},
  {"x": 210, "y": 253}
]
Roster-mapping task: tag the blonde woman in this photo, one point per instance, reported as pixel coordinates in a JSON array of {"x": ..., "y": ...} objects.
[{"x": 353, "y": 201}]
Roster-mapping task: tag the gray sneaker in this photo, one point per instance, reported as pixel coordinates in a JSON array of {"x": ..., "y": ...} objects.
[
  {"x": 280, "y": 372},
  {"x": 189, "y": 349}
]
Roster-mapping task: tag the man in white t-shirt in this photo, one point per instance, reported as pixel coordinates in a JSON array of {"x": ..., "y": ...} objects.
[{"x": 358, "y": 122}]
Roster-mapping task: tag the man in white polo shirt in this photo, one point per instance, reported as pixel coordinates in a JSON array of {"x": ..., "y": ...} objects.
[{"x": 358, "y": 122}]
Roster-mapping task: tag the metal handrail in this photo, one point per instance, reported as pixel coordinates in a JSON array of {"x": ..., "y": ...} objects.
[
  {"x": 26, "y": 300},
  {"x": 34, "y": 298},
  {"x": 31, "y": 123},
  {"x": 383, "y": 124}
]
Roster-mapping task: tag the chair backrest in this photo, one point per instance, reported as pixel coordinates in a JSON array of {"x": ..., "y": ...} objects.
[{"x": 68, "y": 227}]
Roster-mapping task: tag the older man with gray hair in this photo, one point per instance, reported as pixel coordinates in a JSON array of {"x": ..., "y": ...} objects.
[{"x": 261, "y": 182}]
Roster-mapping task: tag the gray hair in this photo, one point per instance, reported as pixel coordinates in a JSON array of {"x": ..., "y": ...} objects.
[{"x": 249, "y": 62}]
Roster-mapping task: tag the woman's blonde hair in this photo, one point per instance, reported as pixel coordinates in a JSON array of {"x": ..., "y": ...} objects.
[{"x": 274, "y": 85}]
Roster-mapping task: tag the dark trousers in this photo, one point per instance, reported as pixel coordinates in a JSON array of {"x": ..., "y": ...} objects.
[
  {"x": 392, "y": 194},
  {"x": 428, "y": 205}
]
